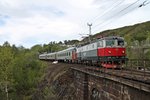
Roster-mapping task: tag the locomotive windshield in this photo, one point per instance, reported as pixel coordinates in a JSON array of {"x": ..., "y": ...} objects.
[
  {"x": 110, "y": 42},
  {"x": 120, "y": 42},
  {"x": 114, "y": 42}
]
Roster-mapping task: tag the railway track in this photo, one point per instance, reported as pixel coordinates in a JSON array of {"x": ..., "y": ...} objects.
[
  {"x": 135, "y": 75},
  {"x": 131, "y": 74}
]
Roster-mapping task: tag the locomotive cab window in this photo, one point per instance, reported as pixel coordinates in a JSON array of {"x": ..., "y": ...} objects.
[
  {"x": 120, "y": 42},
  {"x": 100, "y": 44},
  {"x": 110, "y": 43}
]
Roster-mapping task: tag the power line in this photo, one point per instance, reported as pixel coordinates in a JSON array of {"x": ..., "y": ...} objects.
[
  {"x": 141, "y": 5},
  {"x": 115, "y": 5},
  {"x": 112, "y": 20},
  {"x": 118, "y": 12}
]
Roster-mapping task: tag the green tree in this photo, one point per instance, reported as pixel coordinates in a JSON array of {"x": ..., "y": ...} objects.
[
  {"x": 37, "y": 48},
  {"x": 6, "y": 58},
  {"x": 29, "y": 71}
]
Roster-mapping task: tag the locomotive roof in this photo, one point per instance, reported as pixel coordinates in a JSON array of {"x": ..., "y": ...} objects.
[{"x": 111, "y": 37}]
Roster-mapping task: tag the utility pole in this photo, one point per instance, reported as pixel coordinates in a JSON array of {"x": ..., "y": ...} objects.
[{"x": 89, "y": 31}]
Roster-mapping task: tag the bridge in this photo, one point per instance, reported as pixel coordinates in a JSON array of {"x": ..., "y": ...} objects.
[{"x": 109, "y": 84}]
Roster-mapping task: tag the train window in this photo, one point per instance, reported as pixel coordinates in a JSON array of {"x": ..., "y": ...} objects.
[
  {"x": 110, "y": 42},
  {"x": 120, "y": 43},
  {"x": 100, "y": 44},
  {"x": 93, "y": 45}
]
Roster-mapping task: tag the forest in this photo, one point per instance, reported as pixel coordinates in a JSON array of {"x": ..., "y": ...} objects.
[{"x": 21, "y": 70}]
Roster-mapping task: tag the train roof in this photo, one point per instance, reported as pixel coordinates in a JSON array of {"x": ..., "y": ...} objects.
[
  {"x": 51, "y": 53},
  {"x": 111, "y": 37},
  {"x": 71, "y": 48},
  {"x": 43, "y": 54}
]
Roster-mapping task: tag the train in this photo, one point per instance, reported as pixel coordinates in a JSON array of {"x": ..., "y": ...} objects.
[{"x": 107, "y": 52}]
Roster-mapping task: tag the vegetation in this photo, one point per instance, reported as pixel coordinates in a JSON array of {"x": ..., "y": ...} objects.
[{"x": 20, "y": 71}]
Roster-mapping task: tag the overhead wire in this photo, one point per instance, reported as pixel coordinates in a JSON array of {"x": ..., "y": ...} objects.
[
  {"x": 108, "y": 22},
  {"x": 120, "y": 13},
  {"x": 115, "y": 5},
  {"x": 143, "y": 4},
  {"x": 116, "y": 14}
]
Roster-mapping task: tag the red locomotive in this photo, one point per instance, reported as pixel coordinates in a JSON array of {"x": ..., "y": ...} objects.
[
  {"x": 112, "y": 54},
  {"x": 109, "y": 52}
]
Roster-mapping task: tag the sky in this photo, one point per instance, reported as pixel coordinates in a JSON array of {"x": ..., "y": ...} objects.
[{"x": 31, "y": 22}]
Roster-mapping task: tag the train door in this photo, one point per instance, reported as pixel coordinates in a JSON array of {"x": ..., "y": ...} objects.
[{"x": 74, "y": 55}]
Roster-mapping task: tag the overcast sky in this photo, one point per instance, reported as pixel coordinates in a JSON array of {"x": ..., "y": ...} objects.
[{"x": 31, "y": 22}]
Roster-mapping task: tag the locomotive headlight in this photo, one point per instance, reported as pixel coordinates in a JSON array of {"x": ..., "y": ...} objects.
[
  {"x": 109, "y": 51},
  {"x": 123, "y": 52}
]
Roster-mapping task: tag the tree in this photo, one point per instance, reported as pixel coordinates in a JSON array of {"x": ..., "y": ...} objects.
[
  {"x": 60, "y": 43},
  {"x": 6, "y": 44},
  {"x": 65, "y": 42},
  {"x": 37, "y": 48},
  {"x": 27, "y": 70},
  {"x": 6, "y": 57}
]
